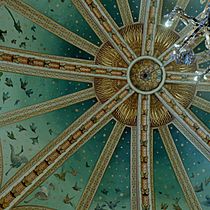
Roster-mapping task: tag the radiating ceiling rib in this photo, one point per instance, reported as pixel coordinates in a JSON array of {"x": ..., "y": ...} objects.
[
  {"x": 135, "y": 170},
  {"x": 71, "y": 71},
  {"x": 1, "y": 164},
  {"x": 107, "y": 14},
  {"x": 96, "y": 12},
  {"x": 31, "y": 208},
  {"x": 41, "y": 72},
  {"x": 46, "y": 67},
  {"x": 48, "y": 161},
  {"x": 179, "y": 169},
  {"x": 52, "y": 26},
  {"x": 89, "y": 20},
  {"x": 201, "y": 104},
  {"x": 1, "y": 2},
  {"x": 45, "y": 107},
  {"x": 186, "y": 78},
  {"x": 202, "y": 57},
  {"x": 182, "y": 4},
  {"x": 144, "y": 174},
  {"x": 100, "y": 168},
  {"x": 198, "y": 120},
  {"x": 26, "y": 53},
  {"x": 150, "y": 26},
  {"x": 203, "y": 88},
  {"x": 191, "y": 138},
  {"x": 125, "y": 12},
  {"x": 66, "y": 145},
  {"x": 160, "y": 10},
  {"x": 50, "y": 146},
  {"x": 68, "y": 155},
  {"x": 142, "y": 11},
  {"x": 201, "y": 134}
]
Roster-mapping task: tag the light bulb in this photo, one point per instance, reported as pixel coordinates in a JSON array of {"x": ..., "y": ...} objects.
[{"x": 168, "y": 23}]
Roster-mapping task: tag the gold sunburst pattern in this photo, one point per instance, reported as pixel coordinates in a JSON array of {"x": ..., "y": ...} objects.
[{"x": 106, "y": 88}]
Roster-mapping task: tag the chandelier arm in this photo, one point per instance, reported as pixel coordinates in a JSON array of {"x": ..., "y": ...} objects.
[
  {"x": 188, "y": 78},
  {"x": 182, "y": 35},
  {"x": 183, "y": 5}
]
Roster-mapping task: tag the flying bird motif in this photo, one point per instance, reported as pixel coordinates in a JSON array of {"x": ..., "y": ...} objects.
[
  {"x": 2, "y": 34},
  {"x": 35, "y": 140},
  {"x": 98, "y": 207},
  {"x": 8, "y": 82},
  {"x": 17, "y": 102},
  {"x": 73, "y": 172},
  {"x": 33, "y": 28},
  {"x": 61, "y": 175},
  {"x": 29, "y": 92},
  {"x": 5, "y": 96},
  {"x": 112, "y": 205},
  {"x": 43, "y": 194},
  {"x": 76, "y": 187},
  {"x": 16, "y": 159},
  {"x": 33, "y": 127},
  {"x": 68, "y": 200},
  {"x": 11, "y": 135},
  {"x": 198, "y": 188},
  {"x": 21, "y": 128},
  {"x": 16, "y": 23},
  {"x": 23, "y": 84}
]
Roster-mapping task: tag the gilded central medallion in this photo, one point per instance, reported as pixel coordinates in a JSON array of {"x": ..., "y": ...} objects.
[{"x": 146, "y": 75}]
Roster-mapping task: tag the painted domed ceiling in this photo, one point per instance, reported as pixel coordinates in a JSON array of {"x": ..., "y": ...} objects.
[{"x": 94, "y": 114}]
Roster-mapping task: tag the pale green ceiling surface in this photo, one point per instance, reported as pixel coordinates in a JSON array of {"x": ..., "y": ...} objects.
[{"x": 116, "y": 180}]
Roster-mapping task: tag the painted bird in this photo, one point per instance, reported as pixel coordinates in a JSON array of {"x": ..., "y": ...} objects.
[
  {"x": 68, "y": 199},
  {"x": 61, "y": 175},
  {"x": 35, "y": 140},
  {"x": 5, "y": 96},
  {"x": 76, "y": 187},
  {"x": 11, "y": 135},
  {"x": 33, "y": 127},
  {"x": 29, "y": 92},
  {"x": 23, "y": 84},
  {"x": 16, "y": 23},
  {"x": 2, "y": 34},
  {"x": 8, "y": 82},
  {"x": 21, "y": 128}
]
